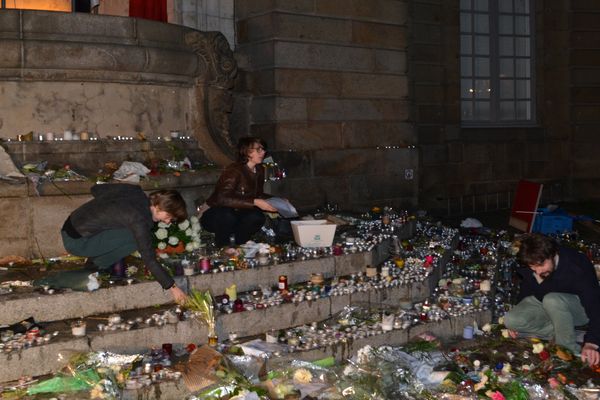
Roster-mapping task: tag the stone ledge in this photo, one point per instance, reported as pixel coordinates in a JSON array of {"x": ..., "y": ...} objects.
[{"x": 71, "y": 304}]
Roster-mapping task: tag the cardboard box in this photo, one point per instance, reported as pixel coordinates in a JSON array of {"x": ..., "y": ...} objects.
[
  {"x": 315, "y": 233},
  {"x": 548, "y": 222}
]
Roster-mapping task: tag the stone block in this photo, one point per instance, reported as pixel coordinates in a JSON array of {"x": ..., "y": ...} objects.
[
  {"x": 260, "y": 55},
  {"x": 347, "y": 162},
  {"x": 396, "y": 161},
  {"x": 301, "y": 136},
  {"x": 426, "y": 12},
  {"x": 16, "y": 215},
  {"x": 10, "y": 53},
  {"x": 427, "y": 53},
  {"x": 352, "y": 263},
  {"x": 244, "y": 9},
  {"x": 307, "y": 82},
  {"x": 366, "y": 188},
  {"x": 429, "y": 94},
  {"x": 65, "y": 55},
  {"x": 39, "y": 360},
  {"x": 390, "y": 61},
  {"x": 374, "y": 86},
  {"x": 385, "y": 36},
  {"x": 298, "y": 164},
  {"x": 9, "y": 24},
  {"x": 388, "y": 11},
  {"x": 276, "y": 108},
  {"x": 79, "y": 27},
  {"x": 351, "y": 109},
  {"x": 259, "y": 27},
  {"x": 323, "y": 56},
  {"x": 312, "y": 28},
  {"x": 585, "y": 21},
  {"x": 377, "y": 133},
  {"x": 426, "y": 73}
]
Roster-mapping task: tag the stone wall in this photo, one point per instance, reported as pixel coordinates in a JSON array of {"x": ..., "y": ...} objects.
[
  {"x": 482, "y": 165},
  {"x": 325, "y": 83}
]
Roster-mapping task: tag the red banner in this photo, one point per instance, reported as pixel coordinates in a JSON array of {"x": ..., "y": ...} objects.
[{"x": 148, "y": 9}]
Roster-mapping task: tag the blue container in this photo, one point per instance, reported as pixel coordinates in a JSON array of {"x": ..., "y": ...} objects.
[{"x": 548, "y": 222}]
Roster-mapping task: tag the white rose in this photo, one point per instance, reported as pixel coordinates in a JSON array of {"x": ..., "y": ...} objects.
[
  {"x": 163, "y": 255},
  {"x": 161, "y": 234},
  {"x": 188, "y": 232},
  {"x": 196, "y": 227},
  {"x": 189, "y": 246},
  {"x": 538, "y": 348},
  {"x": 163, "y": 225},
  {"x": 184, "y": 225},
  {"x": 196, "y": 245},
  {"x": 194, "y": 219},
  {"x": 162, "y": 245},
  {"x": 487, "y": 328},
  {"x": 173, "y": 241}
]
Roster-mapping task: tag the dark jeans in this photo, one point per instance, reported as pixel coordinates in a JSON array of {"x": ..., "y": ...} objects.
[
  {"x": 104, "y": 248},
  {"x": 226, "y": 221}
]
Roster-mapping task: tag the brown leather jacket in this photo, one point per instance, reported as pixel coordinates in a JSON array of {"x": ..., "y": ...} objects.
[{"x": 238, "y": 187}]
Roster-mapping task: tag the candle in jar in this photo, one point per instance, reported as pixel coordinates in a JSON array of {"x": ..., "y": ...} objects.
[
  {"x": 84, "y": 136},
  {"x": 49, "y": 136},
  {"x": 68, "y": 135}
]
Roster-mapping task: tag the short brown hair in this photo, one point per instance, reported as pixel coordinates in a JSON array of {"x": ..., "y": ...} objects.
[
  {"x": 170, "y": 201},
  {"x": 536, "y": 248},
  {"x": 245, "y": 144}
]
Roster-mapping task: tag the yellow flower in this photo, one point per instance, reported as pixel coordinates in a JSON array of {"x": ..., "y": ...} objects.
[
  {"x": 302, "y": 375},
  {"x": 538, "y": 348}
]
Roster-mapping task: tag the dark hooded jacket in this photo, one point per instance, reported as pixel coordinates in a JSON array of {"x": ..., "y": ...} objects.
[{"x": 117, "y": 206}]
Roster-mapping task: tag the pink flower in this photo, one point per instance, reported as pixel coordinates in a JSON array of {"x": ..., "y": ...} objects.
[
  {"x": 553, "y": 383},
  {"x": 496, "y": 395}
]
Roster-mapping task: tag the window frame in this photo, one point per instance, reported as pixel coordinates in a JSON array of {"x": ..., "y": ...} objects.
[{"x": 494, "y": 66}]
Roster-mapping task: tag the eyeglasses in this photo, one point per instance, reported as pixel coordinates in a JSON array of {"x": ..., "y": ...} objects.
[{"x": 259, "y": 149}]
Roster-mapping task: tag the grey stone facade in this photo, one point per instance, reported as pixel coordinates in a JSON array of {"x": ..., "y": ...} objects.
[{"x": 326, "y": 85}]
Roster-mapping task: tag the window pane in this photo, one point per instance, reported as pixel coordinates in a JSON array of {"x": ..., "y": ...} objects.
[
  {"x": 481, "y": 5},
  {"x": 505, "y": 6},
  {"x": 522, "y": 25},
  {"x": 482, "y": 45},
  {"x": 482, "y": 23},
  {"x": 466, "y": 44},
  {"x": 523, "y": 70},
  {"x": 506, "y": 46},
  {"x": 522, "y": 6},
  {"x": 522, "y": 47},
  {"x": 481, "y": 111},
  {"x": 466, "y": 88},
  {"x": 467, "y": 110},
  {"x": 524, "y": 110},
  {"x": 507, "y": 89},
  {"x": 466, "y": 66},
  {"x": 507, "y": 69},
  {"x": 507, "y": 110},
  {"x": 523, "y": 89},
  {"x": 482, "y": 88},
  {"x": 482, "y": 67},
  {"x": 465, "y": 22},
  {"x": 506, "y": 25},
  {"x": 465, "y": 4}
]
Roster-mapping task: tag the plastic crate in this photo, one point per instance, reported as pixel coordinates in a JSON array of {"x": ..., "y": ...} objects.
[{"x": 557, "y": 221}]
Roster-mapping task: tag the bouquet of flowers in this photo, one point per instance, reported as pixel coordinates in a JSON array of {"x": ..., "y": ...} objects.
[{"x": 177, "y": 238}]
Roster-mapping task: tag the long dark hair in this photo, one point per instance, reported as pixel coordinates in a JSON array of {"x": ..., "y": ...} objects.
[{"x": 245, "y": 144}]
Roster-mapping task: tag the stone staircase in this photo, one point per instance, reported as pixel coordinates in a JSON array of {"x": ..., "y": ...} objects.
[{"x": 141, "y": 300}]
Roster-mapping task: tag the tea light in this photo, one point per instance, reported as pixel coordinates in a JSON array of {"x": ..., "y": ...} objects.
[
  {"x": 49, "y": 136},
  {"x": 78, "y": 328},
  {"x": 84, "y": 136}
]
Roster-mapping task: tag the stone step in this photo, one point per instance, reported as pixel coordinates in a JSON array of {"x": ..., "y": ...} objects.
[
  {"x": 40, "y": 360},
  {"x": 70, "y": 304}
]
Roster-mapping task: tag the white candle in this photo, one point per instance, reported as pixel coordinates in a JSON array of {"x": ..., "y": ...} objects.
[
  {"x": 68, "y": 135},
  {"x": 49, "y": 136},
  {"x": 485, "y": 286}
]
